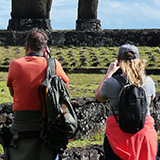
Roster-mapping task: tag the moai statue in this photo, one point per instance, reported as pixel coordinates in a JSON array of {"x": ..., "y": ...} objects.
[
  {"x": 87, "y": 16},
  {"x": 27, "y": 14}
]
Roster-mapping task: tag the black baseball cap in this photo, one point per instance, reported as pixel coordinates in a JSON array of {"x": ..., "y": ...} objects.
[{"x": 128, "y": 52}]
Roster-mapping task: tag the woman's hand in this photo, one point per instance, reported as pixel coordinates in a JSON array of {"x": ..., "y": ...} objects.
[{"x": 113, "y": 68}]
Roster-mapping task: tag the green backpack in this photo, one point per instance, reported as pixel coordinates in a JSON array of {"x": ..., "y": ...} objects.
[{"x": 59, "y": 118}]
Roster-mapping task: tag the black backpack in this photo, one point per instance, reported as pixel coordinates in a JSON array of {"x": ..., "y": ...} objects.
[
  {"x": 132, "y": 106},
  {"x": 59, "y": 118}
]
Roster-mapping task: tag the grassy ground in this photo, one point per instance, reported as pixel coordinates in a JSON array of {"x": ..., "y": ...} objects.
[
  {"x": 81, "y": 85},
  {"x": 80, "y": 57}
]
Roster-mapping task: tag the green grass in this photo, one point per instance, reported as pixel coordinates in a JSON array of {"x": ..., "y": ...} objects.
[
  {"x": 156, "y": 79},
  {"x": 97, "y": 139},
  {"x": 159, "y": 135},
  {"x": 70, "y": 55},
  {"x": 84, "y": 85},
  {"x": 9, "y": 53},
  {"x": 81, "y": 85},
  {"x": 4, "y": 93},
  {"x": 104, "y": 55},
  {"x": 1, "y": 150}
]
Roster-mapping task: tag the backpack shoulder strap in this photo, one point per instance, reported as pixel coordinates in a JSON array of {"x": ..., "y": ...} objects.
[
  {"x": 42, "y": 90},
  {"x": 120, "y": 79},
  {"x": 51, "y": 68},
  {"x": 51, "y": 71}
]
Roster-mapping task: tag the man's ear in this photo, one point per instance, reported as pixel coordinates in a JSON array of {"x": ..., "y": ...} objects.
[
  {"x": 27, "y": 47},
  {"x": 45, "y": 53}
]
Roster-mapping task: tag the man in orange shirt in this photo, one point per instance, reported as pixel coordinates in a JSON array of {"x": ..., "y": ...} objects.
[{"x": 25, "y": 76}]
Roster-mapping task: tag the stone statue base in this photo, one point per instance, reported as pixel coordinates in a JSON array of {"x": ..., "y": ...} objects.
[
  {"x": 88, "y": 25},
  {"x": 27, "y": 24}
]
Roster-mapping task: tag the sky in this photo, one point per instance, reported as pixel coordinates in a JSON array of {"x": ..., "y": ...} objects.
[{"x": 113, "y": 14}]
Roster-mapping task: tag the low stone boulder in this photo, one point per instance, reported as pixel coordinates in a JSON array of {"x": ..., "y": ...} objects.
[{"x": 91, "y": 152}]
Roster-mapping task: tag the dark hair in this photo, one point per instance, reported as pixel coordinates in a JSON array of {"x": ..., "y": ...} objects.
[{"x": 37, "y": 39}]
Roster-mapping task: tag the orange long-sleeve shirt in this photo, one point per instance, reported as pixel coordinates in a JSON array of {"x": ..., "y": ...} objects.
[{"x": 25, "y": 76}]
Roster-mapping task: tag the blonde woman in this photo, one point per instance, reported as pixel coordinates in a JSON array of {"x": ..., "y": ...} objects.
[{"x": 117, "y": 143}]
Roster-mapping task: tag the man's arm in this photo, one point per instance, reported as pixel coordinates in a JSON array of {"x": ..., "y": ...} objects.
[
  {"x": 152, "y": 98},
  {"x": 60, "y": 72},
  {"x": 67, "y": 84},
  {"x": 11, "y": 91}
]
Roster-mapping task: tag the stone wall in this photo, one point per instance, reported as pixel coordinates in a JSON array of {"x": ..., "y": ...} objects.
[
  {"x": 117, "y": 37},
  {"x": 91, "y": 116},
  {"x": 91, "y": 152}
]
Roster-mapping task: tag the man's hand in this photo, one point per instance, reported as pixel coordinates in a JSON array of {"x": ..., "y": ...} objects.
[
  {"x": 46, "y": 53},
  {"x": 67, "y": 84}
]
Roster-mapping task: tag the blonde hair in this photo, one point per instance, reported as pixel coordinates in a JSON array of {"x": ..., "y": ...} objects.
[{"x": 135, "y": 70}]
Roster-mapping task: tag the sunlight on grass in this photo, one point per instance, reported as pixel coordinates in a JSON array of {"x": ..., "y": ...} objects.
[
  {"x": 97, "y": 139},
  {"x": 84, "y": 85},
  {"x": 158, "y": 135},
  {"x": 81, "y": 85},
  {"x": 4, "y": 93},
  {"x": 156, "y": 79},
  {"x": 1, "y": 150},
  {"x": 69, "y": 55},
  {"x": 11, "y": 52}
]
